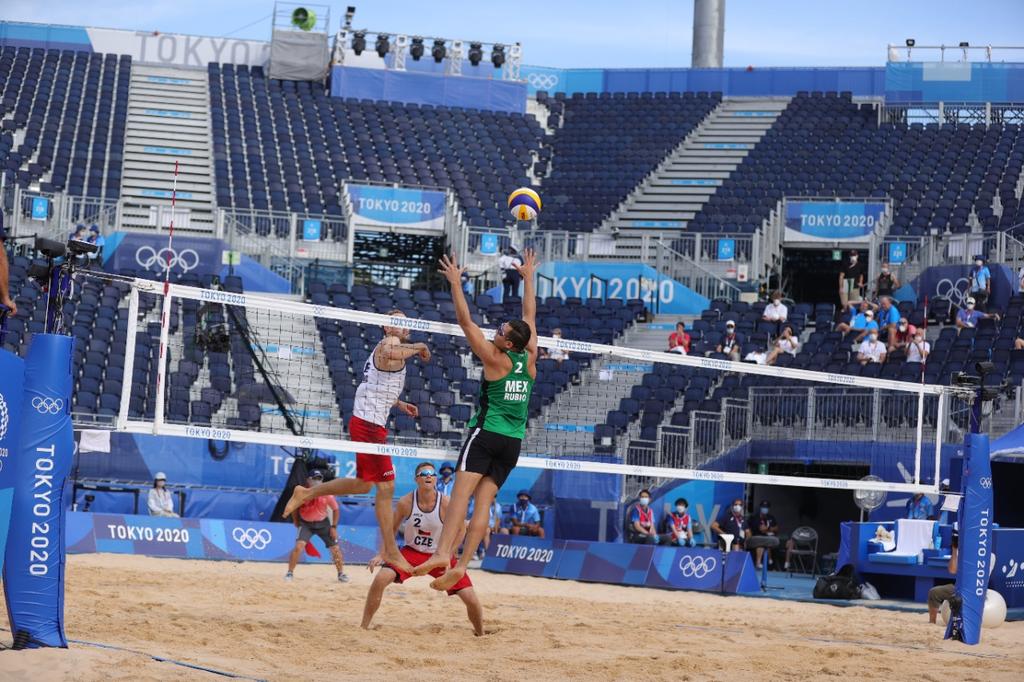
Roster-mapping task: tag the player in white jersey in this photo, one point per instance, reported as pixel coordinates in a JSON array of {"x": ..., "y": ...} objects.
[
  {"x": 423, "y": 512},
  {"x": 382, "y": 383}
]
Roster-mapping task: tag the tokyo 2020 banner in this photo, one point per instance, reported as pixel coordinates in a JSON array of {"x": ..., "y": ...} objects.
[
  {"x": 383, "y": 206},
  {"x": 34, "y": 560}
]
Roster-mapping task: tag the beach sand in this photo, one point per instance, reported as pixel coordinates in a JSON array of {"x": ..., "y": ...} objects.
[{"x": 242, "y": 618}]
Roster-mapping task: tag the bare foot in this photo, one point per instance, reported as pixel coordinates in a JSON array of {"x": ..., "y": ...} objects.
[
  {"x": 399, "y": 562},
  {"x": 369, "y": 627},
  {"x": 299, "y": 497},
  {"x": 434, "y": 562},
  {"x": 448, "y": 580}
]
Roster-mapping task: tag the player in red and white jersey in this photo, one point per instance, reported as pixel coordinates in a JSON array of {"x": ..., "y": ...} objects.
[
  {"x": 423, "y": 513},
  {"x": 382, "y": 383}
]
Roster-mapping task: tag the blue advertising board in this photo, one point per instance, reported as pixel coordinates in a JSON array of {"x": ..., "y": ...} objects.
[
  {"x": 149, "y": 252},
  {"x": 605, "y": 562},
  {"x": 897, "y": 253},
  {"x": 311, "y": 230},
  {"x": 1008, "y": 574},
  {"x": 489, "y": 244},
  {"x": 40, "y": 208},
  {"x": 206, "y": 538},
  {"x": 847, "y": 221},
  {"x": 387, "y": 206},
  {"x": 523, "y": 556},
  {"x": 621, "y": 281},
  {"x": 12, "y": 377}
]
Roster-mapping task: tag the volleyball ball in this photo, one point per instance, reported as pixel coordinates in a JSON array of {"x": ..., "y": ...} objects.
[{"x": 524, "y": 204}]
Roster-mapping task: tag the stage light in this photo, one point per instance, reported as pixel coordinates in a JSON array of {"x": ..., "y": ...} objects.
[
  {"x": 359, "y": 42},
  {"x": 439, "y": 51},
  {"x": 498, "y": 55},
  {"x": 416, "y": 49},
  {"x": 350, "y": 12},
  {"x": 910, "y": 42},
  {"x": 476, "y": 53},
  {"x": 383, "y": 45}
]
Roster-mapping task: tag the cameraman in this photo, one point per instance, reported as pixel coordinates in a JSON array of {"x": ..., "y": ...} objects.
[{"x": 5, "y": 293}]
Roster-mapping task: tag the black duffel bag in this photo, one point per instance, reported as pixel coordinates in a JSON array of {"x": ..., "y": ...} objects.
[{"x": 839, "y": 585}]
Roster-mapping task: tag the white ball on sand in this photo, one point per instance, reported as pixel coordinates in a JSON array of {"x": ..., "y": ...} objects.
[{"x": 994, "y": 614}]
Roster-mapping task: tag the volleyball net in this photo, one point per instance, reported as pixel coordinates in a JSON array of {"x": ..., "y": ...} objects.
[{"x": 240, "y": 367}]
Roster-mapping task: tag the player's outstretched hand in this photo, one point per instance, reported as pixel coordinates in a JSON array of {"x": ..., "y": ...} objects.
[
  {"x": 451, "y": 270},
  {"x": 375, "y": 562},
  {"x": 529, "y": 265},
  {"x": 409, "y": 409},
  {"x": 424, "y": 353}
]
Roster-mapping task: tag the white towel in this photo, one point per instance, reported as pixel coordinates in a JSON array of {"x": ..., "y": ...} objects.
[
  {"x": 913, "y": 536},
  {"x": 94, "y": 441}
]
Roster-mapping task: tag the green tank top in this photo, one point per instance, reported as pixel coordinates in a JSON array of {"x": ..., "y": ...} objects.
[{"x": 505, "y": 403}]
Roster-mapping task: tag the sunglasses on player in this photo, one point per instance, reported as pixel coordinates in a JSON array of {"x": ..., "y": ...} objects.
[{"x": 426, "y": 474}]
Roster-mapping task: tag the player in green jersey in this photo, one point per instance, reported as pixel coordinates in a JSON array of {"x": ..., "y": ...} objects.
[{"x": 496, "y": 431}]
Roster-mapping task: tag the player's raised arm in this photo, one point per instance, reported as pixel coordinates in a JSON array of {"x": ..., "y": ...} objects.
[
  {"x": 483, "y": 348},
  {"x": 529, "y": 272}
]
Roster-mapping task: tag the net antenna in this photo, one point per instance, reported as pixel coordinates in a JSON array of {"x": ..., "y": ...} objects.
[{"x": 843, "y": 420}]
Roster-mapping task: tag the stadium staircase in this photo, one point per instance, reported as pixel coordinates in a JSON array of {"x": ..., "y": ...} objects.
[
  {"x": 561, "y": 430},
  {"x": 168, "y": 121},
  {"x": 677, "y": 189}
]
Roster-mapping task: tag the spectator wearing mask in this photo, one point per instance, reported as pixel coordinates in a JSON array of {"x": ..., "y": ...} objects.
[
  {"x": 851, "y": 279},
  {"x": 776, "y": 311},
  {"x": 762, "y": 523},
  {"x": 887, "y": 317},
  {"x": 159, "y": 500},
  {"x": 447, "y": 480},
  {"x": 467, "y": 285},
  {"x": 679, "y": 340},
  {"x": 97, "y": 240},
  {"x": 676, "y": 528},
  {"x": 642, "y": 529},
  {"x": 556, "y": 354},
  {"x": 525, "y": 519},
  {"x": 862, "y": 322},
  {"x": 786, "y": 343},
  {"x": 319, "y": 516},
  {"x": 981, "y": 283},
  {"x": 919, "y": 507},
  {"x": 918, "y": 349},
  {"x": 871, "y": 350},
  {"x": 887, "y": 282},
  {"x": 511, "y": 278},
  {"x": 968, "y": 317},
  {"x": 732, "y": 523},
  {"x": 905, "y": 333},
  {"x": 730, "y": 343}
]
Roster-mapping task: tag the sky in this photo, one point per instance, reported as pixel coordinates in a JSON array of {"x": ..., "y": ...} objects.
[{"x": 597, "y": 33}]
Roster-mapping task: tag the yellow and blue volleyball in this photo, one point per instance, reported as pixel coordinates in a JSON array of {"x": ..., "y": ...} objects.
[{"x": 524, "y": 204}]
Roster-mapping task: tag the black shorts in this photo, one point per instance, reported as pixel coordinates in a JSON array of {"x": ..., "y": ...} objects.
[
  {"x": 322, "y": 529},
  {"x": 491, "y": 454}
]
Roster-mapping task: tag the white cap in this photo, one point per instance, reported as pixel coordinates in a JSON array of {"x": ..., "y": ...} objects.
[
  {"x": 970, "y": 300},
  {"x": 160, "y": 476}
]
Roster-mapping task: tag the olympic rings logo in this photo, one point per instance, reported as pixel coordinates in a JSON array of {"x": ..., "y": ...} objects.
[
  {"x": 167, "y": 259},
  {"x": 985, "y": 482},
  {"x": 954, "y": 291},
  {"x": 697, "y": 566},
  {"x": 251, "y": 538},
  {"x": 47, "y": 405},
  {"x": 542, "y": 81}
]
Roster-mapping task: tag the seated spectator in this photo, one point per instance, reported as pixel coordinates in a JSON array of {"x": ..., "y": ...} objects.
[
  {"x": 493, "y": 524},
  {"x": 968, "y": 317},
  {"x": 97, "y": 240},
  {"x": 904, "y": 334},
  {"x": 887, "y": 282},
  {"x": 676, "y": 528},
  {"x": 159, "y": 501},
  {"x": 863, "y": 321},
  {"x": 679, "y": 340},
  {"x": 776, "y": 311},
  {"x": 919, "y": 507},
  {"x": 887, "y": 317},
  {"x": 918, "y": 349},
  {"x": 525, "y": 519},
  {"x": 762, "y": 523},
  {"x": 556, "y": 354},
  {"x": 941, "y": 593},
  {"x": 871, "y": 350},
  {"x": 642, "y": 529},
  {"x": 732, "y": 523},
  {"x": 730, "y": 343},
  {"x": 786, "y": 343}
]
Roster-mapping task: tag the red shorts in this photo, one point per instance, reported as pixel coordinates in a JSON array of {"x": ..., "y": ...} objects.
[
  {"x": 369, "y": 467},
  {"x": 416, "y": 558}
]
